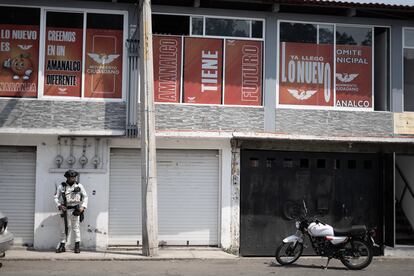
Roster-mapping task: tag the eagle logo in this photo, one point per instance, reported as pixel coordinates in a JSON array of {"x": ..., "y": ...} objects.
[
  {"x": 345, "y": 77},
  {"x": 191, "y": 98},
  {"x": 102, "y": 59},
  {"x": 62, "y": 89},
  {"x": 302, "y": 94},
  {"x": 24, "y": 47}
]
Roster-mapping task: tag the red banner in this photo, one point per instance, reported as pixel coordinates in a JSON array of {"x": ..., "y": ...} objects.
[
  {"x": 63, "y": 62},
  {"x": 306, "y": 74},
  {"x": 103, "y": 64},
  {"x": 353, "y": 76},
  {"x": 243, "y": 72},
  {"x": 167, "y": 68},
  {"x": 203, "y": 65},
  {"x": 19, "y": 60}
]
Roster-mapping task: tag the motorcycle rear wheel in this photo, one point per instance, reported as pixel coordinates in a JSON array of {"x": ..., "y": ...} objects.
[
  {"x": 358, "y": 254},
  {"x": 288, "y": 253}
]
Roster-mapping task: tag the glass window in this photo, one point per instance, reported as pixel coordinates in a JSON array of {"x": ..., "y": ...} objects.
[
  {"x": 408, "y": 80},
  {"x": 227, "y": 27},
  {"x": 104, "y": 52},
  {"x": 63, "y": 55},
  {"x": 321, "y": 163},
  {"x": 352, "y": 164},
  {"x": 304, "y": 163},
  {"x": 197, "y": 25},
  {"x": 306, "y": 65},
  {"x": 325, "y": 34},
  {"x": 254, "y": 162},
  {"x": 19, "y": 51},
  {"x": 298, "y": 32},
  {"x": 257, "y": 29},
  {"x": 170, "y": 24},
  {"x": 354, "y": 86},
  {"x": 353, "y": 36},
  {"x": 409, "y": 38}
]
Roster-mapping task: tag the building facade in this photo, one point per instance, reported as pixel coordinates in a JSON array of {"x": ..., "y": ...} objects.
[{"x": 260, "y": 105}]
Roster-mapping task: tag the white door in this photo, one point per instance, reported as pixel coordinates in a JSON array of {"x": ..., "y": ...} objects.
[
  {"x": 188, "y": 197},
  {"x": 17, "y": 191}
]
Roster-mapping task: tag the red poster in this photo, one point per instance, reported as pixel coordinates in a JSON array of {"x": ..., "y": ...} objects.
[
  {"x": 203, "y": 65},
  {"x": 243, "y": 72},
  {"x": 63, "y": 62},
  {"x": 103, "y": 64},
  {"x": 167, "y": 68},
  {"x": 306, "y": 74},
  {"x": 353, "y": 76},
  {"x": 19, "y": 60}
]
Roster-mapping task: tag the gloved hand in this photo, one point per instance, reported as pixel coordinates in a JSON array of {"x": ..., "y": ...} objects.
[{"x": 62, "y": 208}]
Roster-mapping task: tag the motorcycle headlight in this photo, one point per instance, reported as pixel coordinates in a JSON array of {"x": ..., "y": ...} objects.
[{"x": 297, "y": 224}]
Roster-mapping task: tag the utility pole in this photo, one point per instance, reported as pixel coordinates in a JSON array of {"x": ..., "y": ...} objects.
[{"x": 148, "y": 148}]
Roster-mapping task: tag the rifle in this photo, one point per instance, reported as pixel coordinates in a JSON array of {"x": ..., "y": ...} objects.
[{"x": 64, "y": 213}]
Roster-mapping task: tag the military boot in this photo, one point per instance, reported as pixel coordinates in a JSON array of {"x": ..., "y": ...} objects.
[
  {"x": 61, "y": 248},
  {"x": 77, "y": 249}
]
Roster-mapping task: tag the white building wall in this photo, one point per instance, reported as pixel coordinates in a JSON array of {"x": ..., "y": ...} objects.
[{"x": 94, "y": 229}]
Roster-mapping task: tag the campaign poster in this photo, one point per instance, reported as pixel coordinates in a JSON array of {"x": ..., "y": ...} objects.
[
  {"x": 353, "y": 76},
  {"x": 306, "y": 74},
  {"x": 19, "y": 60},
  {"x": 167, "y": 68},
  {"x": 243, "y": 72},
  {"x": 203, "y": 65},
  {"x": 103, "y": 63},
  {"x": 63, "y": 62}
]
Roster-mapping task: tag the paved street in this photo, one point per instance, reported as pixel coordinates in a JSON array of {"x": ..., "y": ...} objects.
[{"x": 243, "y": 266}]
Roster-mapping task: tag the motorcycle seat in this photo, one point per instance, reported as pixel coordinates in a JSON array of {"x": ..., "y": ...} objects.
[{"x": 354, "y": 230}]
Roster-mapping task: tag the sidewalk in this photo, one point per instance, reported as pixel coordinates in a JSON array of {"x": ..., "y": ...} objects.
[
  {"x": 173, "y": 253},
  {"x": 164, "y": 253}
]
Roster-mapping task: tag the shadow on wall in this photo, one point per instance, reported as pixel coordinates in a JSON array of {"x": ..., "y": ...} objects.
[
  {"x": 6, "y": 110},
  {"x": 47, "y": 235}
]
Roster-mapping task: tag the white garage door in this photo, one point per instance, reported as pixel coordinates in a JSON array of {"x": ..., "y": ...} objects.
[
  {"x": 17, "y": 191},
  {"x": 188, "y": 197}
]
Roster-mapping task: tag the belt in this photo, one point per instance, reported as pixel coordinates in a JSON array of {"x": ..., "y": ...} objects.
[{"x": 72, "y": 207}]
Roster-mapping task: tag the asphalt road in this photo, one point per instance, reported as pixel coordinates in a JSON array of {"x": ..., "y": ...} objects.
[{"x": 243, "y": 266}]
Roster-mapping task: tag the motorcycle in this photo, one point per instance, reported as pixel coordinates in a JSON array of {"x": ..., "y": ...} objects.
[{"x": 352, "y": 246}]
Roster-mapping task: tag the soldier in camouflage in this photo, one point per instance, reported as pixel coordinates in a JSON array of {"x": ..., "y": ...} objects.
[{"x": 71, "y": 199}]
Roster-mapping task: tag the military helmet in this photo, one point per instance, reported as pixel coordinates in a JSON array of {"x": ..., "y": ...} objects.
[{"x": 70, "y": 173}]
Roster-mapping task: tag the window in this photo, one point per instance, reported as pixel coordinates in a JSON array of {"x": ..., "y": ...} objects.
[
  {"x": 306, "y": 64},
  {"x": 82, "y": 58},
  {"x": 354, "y": 67},
  {"x": 287, "y": 163},
  {"x": 352, "y": 164},
  {"x": 219, "y": 63},
  {"x": 304, "y": 163},
  {"x": 19, "y": 51},
  {"x": 317, "y": 70},
  {"x": 321, "y": 163},
  {"x": 254, "y": 162},
  {"x": 63, "y": 58},
  {"x": 408, "y": 69},
  {"x": 171, "y": 24}
]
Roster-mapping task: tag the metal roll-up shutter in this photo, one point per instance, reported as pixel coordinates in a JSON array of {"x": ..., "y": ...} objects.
[
  {"x": 125, "y": 222},
  {"x": 17, "y": 191},
  {"x": 188, "y": 197}
]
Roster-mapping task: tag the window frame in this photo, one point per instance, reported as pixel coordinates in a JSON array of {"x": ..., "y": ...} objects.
[
  {"x": 224, "y": 38},
  {"x": 42, "y": 53},
  {"x": 402, "y": 64},
  {"x": 334, "y": 107}
]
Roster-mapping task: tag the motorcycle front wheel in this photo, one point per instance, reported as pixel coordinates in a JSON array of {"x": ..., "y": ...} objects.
[
  {"x": 289, "y": 252},
  {"x": 357, "y": 254}
]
